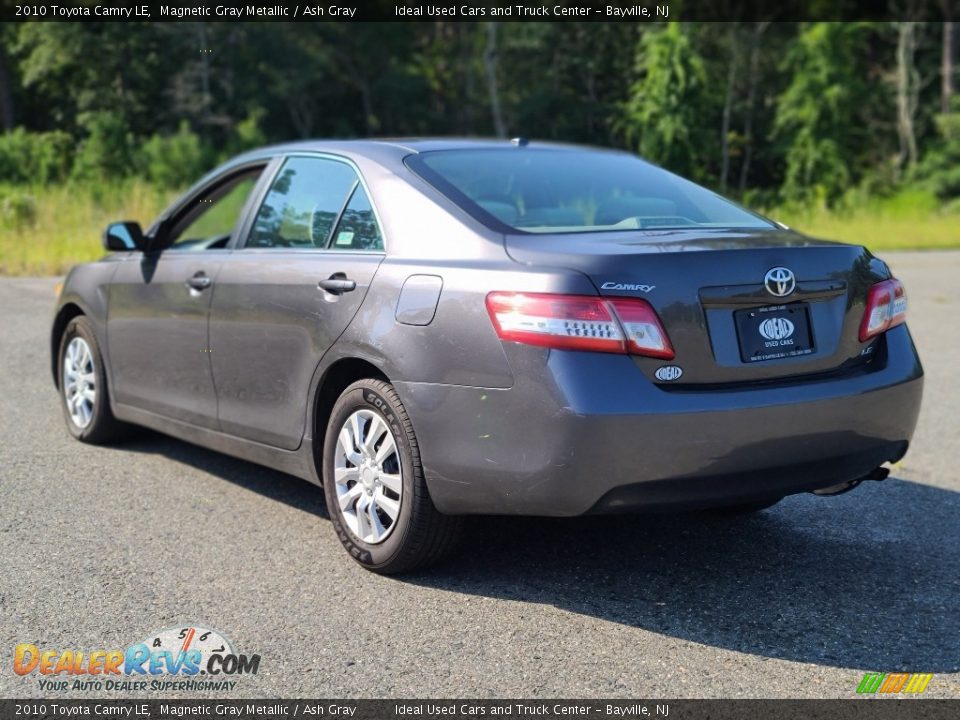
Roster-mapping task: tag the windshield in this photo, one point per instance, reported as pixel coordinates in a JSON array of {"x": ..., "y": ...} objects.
[{"x": 565, "y": 191}]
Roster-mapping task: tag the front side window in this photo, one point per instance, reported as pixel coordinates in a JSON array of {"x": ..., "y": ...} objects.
[
  {"x": 562, "y": 191},
  {"x": 210, "y": 221},
  {"x": 315, "y": 203}
]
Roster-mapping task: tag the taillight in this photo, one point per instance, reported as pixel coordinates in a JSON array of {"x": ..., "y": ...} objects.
[
  {"x": 579, "y": 322},
  {"x": 886, "y": 308}
]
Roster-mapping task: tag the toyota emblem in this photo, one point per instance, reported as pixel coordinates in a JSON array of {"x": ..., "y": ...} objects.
[{"x": 780, "y": 281}]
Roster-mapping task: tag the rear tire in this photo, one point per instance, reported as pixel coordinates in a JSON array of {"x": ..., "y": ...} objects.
[
  {"x": 374, "y": 485},
  {"x": 84, "y": 395}
]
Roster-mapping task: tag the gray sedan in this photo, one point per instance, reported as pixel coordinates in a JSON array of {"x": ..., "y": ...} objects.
[{"x": 435, "y": 328}]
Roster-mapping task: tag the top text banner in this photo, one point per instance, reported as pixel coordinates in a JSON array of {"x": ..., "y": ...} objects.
[{"x": 377, "y": 11}]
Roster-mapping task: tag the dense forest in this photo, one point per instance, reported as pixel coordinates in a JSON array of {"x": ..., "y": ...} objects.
[
  {"x": 800, "y": 110},
  {"x": 777, "y": 114}
]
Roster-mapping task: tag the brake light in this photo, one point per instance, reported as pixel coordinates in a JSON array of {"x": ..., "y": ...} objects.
[
  {"x": 579, "y": 322},
  {"x": 886, "y": 308}
]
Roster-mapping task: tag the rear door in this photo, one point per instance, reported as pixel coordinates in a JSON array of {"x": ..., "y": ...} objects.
[
  {"x": 159, "y": 303},
  {"x": 286, "y": 295}
]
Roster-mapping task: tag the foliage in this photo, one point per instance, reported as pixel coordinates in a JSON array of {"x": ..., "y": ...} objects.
[
  {"x": 662, "y": 115},
  {"x": 940, "y": 168},
  {"x": 42, "y": 158},
  {"x": 820, "y": 116},
  {"x": 175, "y": 161},
  {"x": 65, "y": 222},
  {"x": 802, "y": 117},
  {"x": 910, "y": 219},
  {"x": 106, "y": 148}
]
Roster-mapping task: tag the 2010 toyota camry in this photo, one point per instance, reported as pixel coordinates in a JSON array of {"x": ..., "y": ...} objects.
[{"x": 435, "y": 328}]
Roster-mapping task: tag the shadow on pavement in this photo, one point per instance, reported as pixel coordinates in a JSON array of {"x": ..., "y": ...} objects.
[
  {"x": 870, "y": 579},
  {"x": 256, "y": 478}
]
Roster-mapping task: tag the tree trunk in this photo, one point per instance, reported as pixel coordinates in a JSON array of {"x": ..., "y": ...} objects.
[
  {"x": 301, "y": 116},
  {"x": 7, "y": 116},
  {"x": 370, "y": 120},
  {"x": 727, "y": 105},
  {"x": 467, "y": 64},
  {"x": 758, "y": 31},
  {"x": 206, "y": 98},
  {"x": 946, "y": 67},
  {"x": 490, "y": 64},
  {"x": 907, "y": 94}
]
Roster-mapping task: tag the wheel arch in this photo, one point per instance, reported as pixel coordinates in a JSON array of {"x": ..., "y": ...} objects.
[
  {"x": 341, "y": 374},
  {"x": 64, "y": 315}
]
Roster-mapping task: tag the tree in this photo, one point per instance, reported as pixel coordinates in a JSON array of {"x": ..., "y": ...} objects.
[
  {"x": 947, "y": 63},
  {"x": 908, "y": 92},
  {"x": 759, "y": 28},
  {"x": 664, "y": 116},
  {"x": 490, "y": 65},
  {"x": 7, "y": 113},
  {"x": 821, "y": 115}
]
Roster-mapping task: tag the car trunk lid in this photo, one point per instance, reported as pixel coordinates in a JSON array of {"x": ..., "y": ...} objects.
[{"x": 708, "y": 287}]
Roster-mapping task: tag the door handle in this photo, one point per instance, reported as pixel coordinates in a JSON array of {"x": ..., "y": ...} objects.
[
  {"x": 200, "y": 281},
  {"x": 337, "y": 284}
]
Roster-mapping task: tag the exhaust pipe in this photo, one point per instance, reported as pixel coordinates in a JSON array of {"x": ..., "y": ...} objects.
[{"x": 877, "y": 474}]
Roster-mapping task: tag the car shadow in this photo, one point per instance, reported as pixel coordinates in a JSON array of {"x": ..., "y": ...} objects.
[
  {"x": 250, "y": 476},
  {"x": 869, "y": 579}
]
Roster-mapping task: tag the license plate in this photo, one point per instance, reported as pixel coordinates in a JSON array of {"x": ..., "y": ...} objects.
[{"x": 773, "y": 332}]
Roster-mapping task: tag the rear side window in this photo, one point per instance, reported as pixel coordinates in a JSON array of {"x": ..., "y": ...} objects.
[
  {"x": 560, "y": 191},
  {"x": 304, "y": 204},
  {"x": 358, "y": 229}
]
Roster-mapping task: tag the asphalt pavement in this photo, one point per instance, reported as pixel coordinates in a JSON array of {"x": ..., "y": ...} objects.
[{"x": 102, "y": 547}]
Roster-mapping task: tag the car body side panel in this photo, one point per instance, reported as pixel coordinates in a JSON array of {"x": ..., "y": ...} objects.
[
  {"x": 87, "y": 287},
  {"x": 157, "y": 330},
  {"x": 269, "y": 325},
  {"x": 296, "y": 462}
]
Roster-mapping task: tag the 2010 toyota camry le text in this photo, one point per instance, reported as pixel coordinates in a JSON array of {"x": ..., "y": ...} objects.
[{"x": 435, "y": 328}]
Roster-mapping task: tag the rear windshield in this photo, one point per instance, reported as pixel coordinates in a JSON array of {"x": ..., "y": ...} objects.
[{"x": 565, "y": 191}]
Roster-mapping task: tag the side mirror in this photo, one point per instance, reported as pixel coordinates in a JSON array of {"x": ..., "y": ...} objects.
[{"x": 124, "y": 236}]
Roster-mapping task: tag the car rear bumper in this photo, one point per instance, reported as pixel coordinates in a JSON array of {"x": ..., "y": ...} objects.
[{"x": 586, "y": 432}]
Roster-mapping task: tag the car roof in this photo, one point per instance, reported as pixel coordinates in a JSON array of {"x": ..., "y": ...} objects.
[{"x": 395, "y": 149}]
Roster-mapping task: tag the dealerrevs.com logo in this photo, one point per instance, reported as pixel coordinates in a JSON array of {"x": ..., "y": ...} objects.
[{"x": 187, "y": 658}]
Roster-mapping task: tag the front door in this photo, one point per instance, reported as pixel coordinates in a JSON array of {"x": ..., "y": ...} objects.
[
  {"x": 286, "y": 295},
  {"x": 159, "y": 308}
]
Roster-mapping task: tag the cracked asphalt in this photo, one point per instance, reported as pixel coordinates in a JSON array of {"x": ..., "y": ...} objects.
[{"x": 101, "y": 547}]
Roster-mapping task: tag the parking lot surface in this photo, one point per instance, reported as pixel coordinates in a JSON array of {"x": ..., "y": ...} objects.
[{"x": 102, "y": 547}]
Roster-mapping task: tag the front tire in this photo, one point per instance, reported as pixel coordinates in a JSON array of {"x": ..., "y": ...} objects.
[
  {"x": 83, "y": 386},
  {"x": 374, "y": 485}
]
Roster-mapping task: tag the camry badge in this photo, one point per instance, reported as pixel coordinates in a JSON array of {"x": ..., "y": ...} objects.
[
  {"x": 627, "y": 286},
  {"x": 779, "y": 281}
]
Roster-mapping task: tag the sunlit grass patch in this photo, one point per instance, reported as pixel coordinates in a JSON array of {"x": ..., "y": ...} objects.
[{"x": 46, "y": 230}]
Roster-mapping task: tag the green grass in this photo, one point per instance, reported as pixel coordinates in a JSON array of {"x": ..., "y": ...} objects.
[
  {"x": 909, "y": 220},
  {"x": 46, "y": 230}
]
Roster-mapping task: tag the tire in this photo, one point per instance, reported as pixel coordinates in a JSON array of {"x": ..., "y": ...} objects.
[
  {"x": 82, "y": 373},
  {"x": 745, "y": 508},
  {"x": 386, "y": 520}
]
